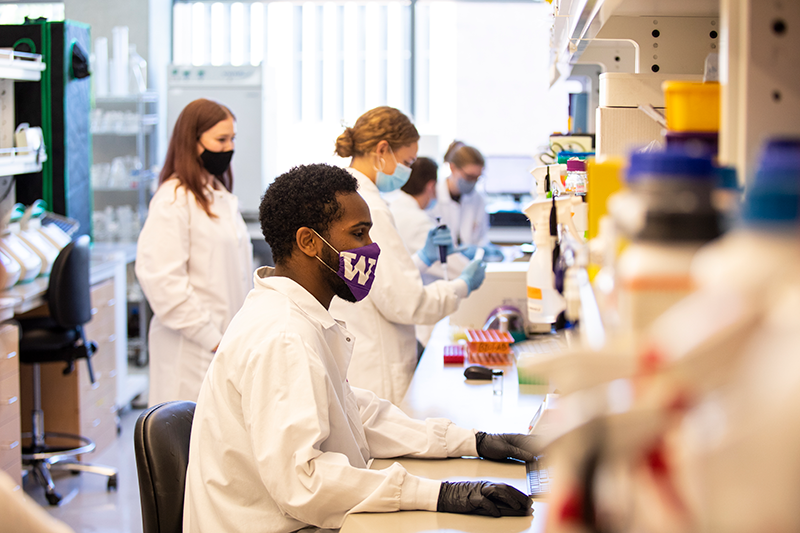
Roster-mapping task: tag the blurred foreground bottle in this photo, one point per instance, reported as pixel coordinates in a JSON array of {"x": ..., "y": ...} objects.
[{"x": 670, "y": 216}]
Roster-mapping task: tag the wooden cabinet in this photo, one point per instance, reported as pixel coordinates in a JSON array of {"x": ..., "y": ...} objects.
[
  {"x": 71, "y": 403},
  {"x": 10, "y": 449}
]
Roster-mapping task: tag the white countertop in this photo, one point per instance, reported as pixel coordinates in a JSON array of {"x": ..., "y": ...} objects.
[{"x": 439, "y": 390}]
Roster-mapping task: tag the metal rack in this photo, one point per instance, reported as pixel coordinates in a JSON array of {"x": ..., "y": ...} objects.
[
  {"x": 145, "y": 105},
  {"x": 109, "y": 143},
  {"x": 15, "y": 66}
]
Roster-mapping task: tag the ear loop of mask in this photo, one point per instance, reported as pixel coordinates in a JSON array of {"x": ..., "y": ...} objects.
[{"x": 332, "y": 248}]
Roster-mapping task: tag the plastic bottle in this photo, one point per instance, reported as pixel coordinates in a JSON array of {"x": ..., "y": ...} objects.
[
  {"x": 30, "y": 263},
  {"x": 654, "y": 271},
  {"x": 738, "y": 334},
  {"x": 11, "y": 270},
  {"x": 576, "y": 177},
  {"x": 29, "y": 223},
  {"x": 138, "y": 71},
  {"x": 544, "y": 301}
]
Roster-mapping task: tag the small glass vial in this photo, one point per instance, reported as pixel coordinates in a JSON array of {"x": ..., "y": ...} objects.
[
  {"x": 497, "y": 382},
  {"x": 575, "y": 184}
]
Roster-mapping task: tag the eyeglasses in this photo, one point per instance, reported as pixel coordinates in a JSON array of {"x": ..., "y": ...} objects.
[{"x": 471, "y": 178}]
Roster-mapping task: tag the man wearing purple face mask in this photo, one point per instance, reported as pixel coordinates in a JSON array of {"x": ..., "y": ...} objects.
[{"x": 280, "y": 440}]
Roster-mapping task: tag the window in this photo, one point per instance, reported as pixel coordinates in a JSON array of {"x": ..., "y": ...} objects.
[
  {"x": 346, "y": 57},
  {"x": 479, "y": 70},
  {"x": 16, "y": 13}
]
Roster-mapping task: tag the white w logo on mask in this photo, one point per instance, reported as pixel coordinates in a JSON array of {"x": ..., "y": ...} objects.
[{"x": 363, "y": 267}]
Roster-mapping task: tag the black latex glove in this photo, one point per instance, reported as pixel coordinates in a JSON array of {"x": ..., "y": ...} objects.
[
  {"x": 482, "y": 497},
  {"x": 501, "y": 447}
]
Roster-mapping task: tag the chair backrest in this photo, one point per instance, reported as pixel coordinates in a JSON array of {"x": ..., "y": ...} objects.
[
  {"x": 161, "y": 444},
  {"x": 68, "y": 293}
]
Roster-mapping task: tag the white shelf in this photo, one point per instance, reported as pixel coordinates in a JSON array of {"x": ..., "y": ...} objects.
[
  {"x": 577, "y": 22},
  {"x": 12, "y": 162},
  {"x": 20, "y": 66},
  {"x": 127, "y": 99}
]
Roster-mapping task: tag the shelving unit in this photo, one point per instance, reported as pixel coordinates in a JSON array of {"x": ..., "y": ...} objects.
[
  {"x": 116, "y": 140},
  {"x": 607, "y": 31},
  {"x": 757, "y": 44},
  {"x": 20, "y": 66},
  {"x": 14, "y": 66},
  {"x": 14, "y": 161},
  {"x": 112, "y": 142}
]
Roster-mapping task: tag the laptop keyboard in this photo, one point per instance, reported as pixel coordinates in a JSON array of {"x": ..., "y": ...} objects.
[{"x": 538, "y": 478}]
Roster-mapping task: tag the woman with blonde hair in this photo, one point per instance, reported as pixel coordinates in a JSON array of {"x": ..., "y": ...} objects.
[
  {"x": 382, "y": 146},
  {"x": 194, "y": 255},
  {"x": 459, "y": 205}
]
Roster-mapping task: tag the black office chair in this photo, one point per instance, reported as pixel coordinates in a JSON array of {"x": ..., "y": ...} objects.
[
  {"x": 161, "y": 443},
  {"x": 59, "y": 337}
]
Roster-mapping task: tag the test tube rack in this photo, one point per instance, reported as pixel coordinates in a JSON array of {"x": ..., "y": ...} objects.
[{"x": 489, "y": 347}]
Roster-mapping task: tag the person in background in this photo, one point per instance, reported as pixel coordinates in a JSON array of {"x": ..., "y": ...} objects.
[
  {"x": 459, "y": 205},
  {"x": 409, "y": 205},
  {"x": 20, "y": 512},
  {"x": 382, "y": 146},
  {"x": 194, "y": 257},
  {"x": 280, "y": 439},
  {"x": 413, "y": 224}
]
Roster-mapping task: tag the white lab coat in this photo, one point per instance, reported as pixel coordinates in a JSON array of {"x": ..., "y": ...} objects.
[
  {"x": 281, "y": 441},
  {"x": 385, "y": 355},
  {"x": 413, "y": 223},
  {"x": 195, "y": 271},
  {"x": 20, "y": 512},
  {"x": 467, "y": 218}
]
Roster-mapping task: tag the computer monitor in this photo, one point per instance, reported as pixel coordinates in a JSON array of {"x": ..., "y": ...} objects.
[{"x": 508, "y": 174}]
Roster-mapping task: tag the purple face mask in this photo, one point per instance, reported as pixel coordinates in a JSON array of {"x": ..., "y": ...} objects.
[{"x": 356, "y": 267}]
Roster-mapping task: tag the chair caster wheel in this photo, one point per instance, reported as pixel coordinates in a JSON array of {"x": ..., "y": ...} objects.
[
  {"x": 53, "y": 498},
  {"x": 112, "y": 483}
]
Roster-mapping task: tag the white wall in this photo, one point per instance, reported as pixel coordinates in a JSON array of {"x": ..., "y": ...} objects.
[
  {"x": 149, "y": 25},
  {"x": 502, "y": 98},
  {"x": 102, "y": 15}
]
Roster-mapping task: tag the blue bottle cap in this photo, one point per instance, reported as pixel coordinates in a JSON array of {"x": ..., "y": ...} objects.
[
  {"x": 669, "y": 164},
  {"x": 726, "y": 178},
  {"x": 774, "y": 195}
]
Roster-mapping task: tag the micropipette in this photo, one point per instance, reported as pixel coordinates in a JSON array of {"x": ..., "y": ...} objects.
[{"x": 443, "y": 252}]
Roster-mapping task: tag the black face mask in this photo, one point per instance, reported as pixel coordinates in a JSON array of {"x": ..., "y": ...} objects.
[{"x": 216, "y": 162}]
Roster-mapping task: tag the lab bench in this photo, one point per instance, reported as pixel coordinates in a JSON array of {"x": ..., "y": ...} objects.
[
  {"x": 71, "y": 403},
  {"x": 440, "y": 391}
]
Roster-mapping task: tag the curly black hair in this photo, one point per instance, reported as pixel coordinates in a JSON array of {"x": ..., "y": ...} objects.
[{"x": 303, "y": 197}]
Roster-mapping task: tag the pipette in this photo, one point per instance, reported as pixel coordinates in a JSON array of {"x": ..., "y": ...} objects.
[{"x": 443, "y": 252}]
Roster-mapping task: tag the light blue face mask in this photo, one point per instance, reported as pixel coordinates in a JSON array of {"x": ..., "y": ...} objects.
[
  {"x": 466, "y": 187},
  {"x": 431, "y": 204},
  {"x": 392, "y": 182}
]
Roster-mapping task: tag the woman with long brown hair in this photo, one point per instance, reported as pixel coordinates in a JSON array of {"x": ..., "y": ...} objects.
[
  {"x": 382, "y": 145},
  {"x": 194, "y": 255}
]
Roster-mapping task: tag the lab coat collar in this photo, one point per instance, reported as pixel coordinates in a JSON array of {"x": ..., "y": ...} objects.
[
  {"x": 265, "y": 277},
  {"x": 365, "y": 185}
]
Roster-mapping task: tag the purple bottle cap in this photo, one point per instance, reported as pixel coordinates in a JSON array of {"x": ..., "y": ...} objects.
[{"x": 576, "y": 164}]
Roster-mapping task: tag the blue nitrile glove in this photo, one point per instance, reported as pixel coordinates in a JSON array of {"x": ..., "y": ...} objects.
[
  {"x": 437, "y": 236},
  {"x": 473, "y": 274},
  {"x": 492, "y": 253},
  {"x": 468, "y": 251}
]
